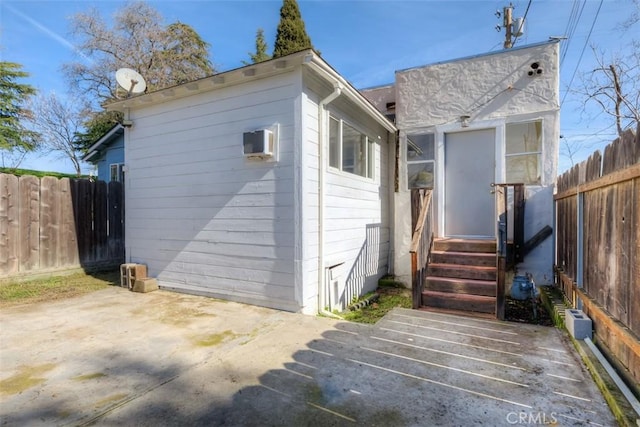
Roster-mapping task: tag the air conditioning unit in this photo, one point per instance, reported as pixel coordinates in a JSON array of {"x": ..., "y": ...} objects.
[{"x": 258, "y": 144}]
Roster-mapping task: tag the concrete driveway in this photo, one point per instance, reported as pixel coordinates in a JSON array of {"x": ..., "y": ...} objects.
[{"x": 115, "y": 357}]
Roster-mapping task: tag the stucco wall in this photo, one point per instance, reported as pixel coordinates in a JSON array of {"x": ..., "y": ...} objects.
[{"x": 493, "y": 90}]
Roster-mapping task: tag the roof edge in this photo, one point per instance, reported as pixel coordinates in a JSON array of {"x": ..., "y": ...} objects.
[
  {"x": 331, "y": 75},
  {"x": 91, "y": 151},
  {"x": 480, "y": 55}
]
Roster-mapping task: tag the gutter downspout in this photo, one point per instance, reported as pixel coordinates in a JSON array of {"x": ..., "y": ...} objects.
[{"x": 322, "y": 118}]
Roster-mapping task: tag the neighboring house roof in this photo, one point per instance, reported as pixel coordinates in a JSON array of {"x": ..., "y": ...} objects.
[
  {"x": 104, "y": 141},
  {"x": 253, "y": 72}
]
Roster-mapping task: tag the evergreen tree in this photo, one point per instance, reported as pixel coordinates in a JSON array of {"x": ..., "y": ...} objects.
[
  {"x": 13, "y": 113},
  {"x": 291, "y": 36},
  {"x": 261, "y": 49}
]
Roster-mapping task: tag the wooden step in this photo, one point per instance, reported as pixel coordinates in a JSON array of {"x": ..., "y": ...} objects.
[
  {"x": 460, "y": 286},
  {"x": 454, "y": 301},
  {"x": 463, "y": 313},
  {"x": 463, "y": 258},
  {"x": 462, "y": 271},
  {"x": 464, "y": 245}
]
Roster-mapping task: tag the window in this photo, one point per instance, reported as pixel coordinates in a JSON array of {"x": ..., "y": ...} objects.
[
  {"x": 350, "y": 150},
  {"x": 420, "y": 160},
  {"x": 523, "y": 149},
  {"x": 116, "y": 172}
]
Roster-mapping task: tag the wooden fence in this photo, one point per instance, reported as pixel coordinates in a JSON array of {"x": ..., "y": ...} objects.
[
  {"x": 52, "y": 224},
  {"x": 598, "y": 244}
]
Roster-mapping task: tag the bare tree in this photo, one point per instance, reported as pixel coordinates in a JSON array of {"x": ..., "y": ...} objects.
[
  {"x": 12, "y": 158},
  {"x": 633, "y": 18},
  {"x": 163, "y": 55},
  {"x": 614, "y": 86},
  {"x": 58, "y": 124}
]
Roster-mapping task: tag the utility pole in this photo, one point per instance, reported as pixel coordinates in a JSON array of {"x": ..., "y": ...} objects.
[{"x": 508, "y": 10}]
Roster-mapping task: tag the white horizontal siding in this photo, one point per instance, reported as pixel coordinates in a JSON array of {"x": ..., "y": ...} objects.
[
  {"x": 357, "y": 231},
  {"x": 203, "y": 218},
  {"x": 309, "y": 185}
]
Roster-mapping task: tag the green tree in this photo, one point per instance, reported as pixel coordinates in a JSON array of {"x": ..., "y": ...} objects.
[
  {"x": 291, "y": 35},
  {"x": 14, "y": 97},
  {"x": 260, "y": 54},
  {"x": 98, "y": 124}
]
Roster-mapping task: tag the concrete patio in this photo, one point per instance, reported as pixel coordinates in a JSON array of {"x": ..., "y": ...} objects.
[{"x": 115, "y": 357}]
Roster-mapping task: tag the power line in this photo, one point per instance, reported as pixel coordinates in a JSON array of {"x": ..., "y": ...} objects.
[
  {"x": 593, "y": 24},
  {"x": 572, "y": 24},
  {"x": 568, "y": 30}
]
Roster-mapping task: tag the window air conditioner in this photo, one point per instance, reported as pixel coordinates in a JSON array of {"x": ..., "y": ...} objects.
[{"x": 258, "y": 144}]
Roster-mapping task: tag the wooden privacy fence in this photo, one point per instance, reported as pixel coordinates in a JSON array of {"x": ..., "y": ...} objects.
[
  {"x": 597, "y": 247},
  {"x": 51, "y": 224}
]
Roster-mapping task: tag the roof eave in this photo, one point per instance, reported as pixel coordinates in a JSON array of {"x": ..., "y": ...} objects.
[
  {"x": 93, "y": 150},
  {"x": 216, "y": 81},
  {"x": 328, "y": 73}
]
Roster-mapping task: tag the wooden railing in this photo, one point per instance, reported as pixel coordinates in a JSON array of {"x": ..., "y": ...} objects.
[
  {"x": 509, "y": 246},
  {"x": 422, "y": 240}
]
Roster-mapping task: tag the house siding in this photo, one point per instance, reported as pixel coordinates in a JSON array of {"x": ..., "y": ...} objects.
[
  {"x": 204, "y": 218},
  {"x": 494, "y": 90},
  {"x": 357, "y": 227},
  {"x": 113, "y": 154}
]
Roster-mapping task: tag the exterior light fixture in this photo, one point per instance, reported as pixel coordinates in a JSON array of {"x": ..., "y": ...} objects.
[{"x": 464, "y": 121}]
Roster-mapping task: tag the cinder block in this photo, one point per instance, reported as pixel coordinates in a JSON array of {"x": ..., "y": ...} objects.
[
  {"x": 578, "y": 324},
  {"x": 130, "y": 272},
  {"x": 145, "y": 285}
]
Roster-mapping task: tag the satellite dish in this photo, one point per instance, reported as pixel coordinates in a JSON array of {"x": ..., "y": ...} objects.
[{"x": 131, "y": 81}]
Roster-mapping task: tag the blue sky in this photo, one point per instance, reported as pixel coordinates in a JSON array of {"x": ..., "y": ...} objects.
[{"x": 366, "y": 41}]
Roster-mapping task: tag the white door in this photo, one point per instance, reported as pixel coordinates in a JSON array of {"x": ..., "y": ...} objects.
[{"x": 469, "y": 208}]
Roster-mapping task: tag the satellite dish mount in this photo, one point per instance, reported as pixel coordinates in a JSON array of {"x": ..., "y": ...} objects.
[{"x": 131, "y": 81}]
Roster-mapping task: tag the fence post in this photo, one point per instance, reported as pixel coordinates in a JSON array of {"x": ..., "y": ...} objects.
[{"x": 579, "y": 246}]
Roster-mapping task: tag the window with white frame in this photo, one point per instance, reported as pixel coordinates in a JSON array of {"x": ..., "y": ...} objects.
[
  {"x": 116, "y": 172},
  {"x": 421, "y": 160},
  {"x": 350, "y": 150},
  {"x": 523, "y": 152}
]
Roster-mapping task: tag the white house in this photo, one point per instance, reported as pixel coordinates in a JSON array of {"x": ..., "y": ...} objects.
[
  {"x": 279, "y": 184},
  {"x": 467, "y": 123},
  {"x": 302, "y": 222}
]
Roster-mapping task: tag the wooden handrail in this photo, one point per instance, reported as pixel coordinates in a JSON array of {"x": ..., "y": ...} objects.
[
  {"x": 415, "y": 238},
  {"x": 421, "y": 241}
]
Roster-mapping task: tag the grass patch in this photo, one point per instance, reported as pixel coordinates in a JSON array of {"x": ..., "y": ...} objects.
[
  {"x": 215, "y": 339},
  {"x": 54, "y": 288},
  {"x": 39, "y": 174},
  {"x": 27, "y": 377},
  {"x": 391, "y": 295}
]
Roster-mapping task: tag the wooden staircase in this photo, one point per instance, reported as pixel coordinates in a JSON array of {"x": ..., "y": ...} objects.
[{"x": 461, "y": 276}]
